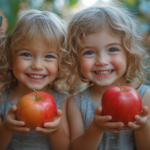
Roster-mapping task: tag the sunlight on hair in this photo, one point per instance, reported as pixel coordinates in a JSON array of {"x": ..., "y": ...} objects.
[{"x": 88, "y": 2}]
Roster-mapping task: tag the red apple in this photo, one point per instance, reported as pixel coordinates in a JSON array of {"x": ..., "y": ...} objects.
[
  {"x": 35, "y": 109},
  {"x": 122, "y": 103}
]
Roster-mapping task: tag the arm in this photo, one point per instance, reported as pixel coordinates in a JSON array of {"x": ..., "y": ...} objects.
[
  {"x": 90, "y": 139},
  {"x": 79, "y": 138},
  {"x": 5, "y": 135},
  {"x": 57, "y": 130},
  {"x": 8, "y": 127},
  {"x": 142, "y": 134},
  {"x": 61, "y": 135}
]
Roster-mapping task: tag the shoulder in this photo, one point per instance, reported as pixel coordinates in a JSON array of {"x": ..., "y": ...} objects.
[
  {"x": 60, "y": 98},
  {"x": 143, "y": 90},
  {"x": 75, "y": 119},
  {"x": 72, "y": 108},
  {"x": 81, "y": 94},
  {"x": 146, "y": 96}
]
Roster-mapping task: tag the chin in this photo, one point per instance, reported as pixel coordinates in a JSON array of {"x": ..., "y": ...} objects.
[
  {"x": 36, "y": 88},
  {"x": 105, "y": 84}
]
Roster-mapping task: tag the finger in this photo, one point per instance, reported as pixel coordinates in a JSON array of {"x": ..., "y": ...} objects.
[
  {"x": 115, "y": 130},
  {"x": 13, "y": 108},
  {"x": 12, "y": 122},
  {"x": 98, "y": 110},
  {"x": 59, "y": 113},
  {"x": 133, "y": 126},
  {"x": 53, "y": 124},
  {"x": 140, "y": 120},
  {"x": 43, "y": 131},
  {"x": 145, "y": 111},
  {"x": 114, "y": 125},
  {"x": 22, "y": 130},
  {"x": 101, "y": 119}
]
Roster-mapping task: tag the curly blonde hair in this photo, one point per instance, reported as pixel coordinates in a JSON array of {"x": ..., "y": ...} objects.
[
  {"x": 33, "y": 23},
  {"x": 116, "y": 19}
]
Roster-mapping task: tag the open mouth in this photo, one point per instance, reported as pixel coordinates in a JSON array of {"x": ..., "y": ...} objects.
[
  {"x": 104, "y": 72},
  {"x": 34, "y": 76}
]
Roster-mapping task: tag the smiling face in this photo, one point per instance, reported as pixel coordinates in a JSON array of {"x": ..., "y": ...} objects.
[
  {"x": 35, "y": 64},
  {"x": 103, "y": 59}
]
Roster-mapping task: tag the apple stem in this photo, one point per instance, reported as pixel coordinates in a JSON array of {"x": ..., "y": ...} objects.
[
  {"x": 120, "y": 87},
  {"x": 36, "y": 98}
]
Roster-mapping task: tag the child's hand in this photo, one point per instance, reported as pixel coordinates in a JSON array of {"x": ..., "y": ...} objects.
[
  {"x": 50, "y": 127},
  {"x": 14, "y": 125},
  {"x": 104, "y": 123},
  {"x": 140, "y": 121}
]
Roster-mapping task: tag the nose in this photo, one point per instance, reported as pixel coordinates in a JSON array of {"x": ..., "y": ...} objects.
[
  {"x": 102, "y": 59},
  {"x": 37, "y": 64}
]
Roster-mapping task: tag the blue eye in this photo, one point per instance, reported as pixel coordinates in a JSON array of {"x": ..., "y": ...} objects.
[
  {"x": 89, "y": 53},
  {"x": 49, "y": 56},
  {"x": 112, "y": 50},
  {"x": 26, "y": 54}
]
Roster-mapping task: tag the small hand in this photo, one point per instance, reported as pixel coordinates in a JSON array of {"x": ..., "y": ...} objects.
[
  {"x": 140, "y": 121},
  {"x": 50, "y": 127},
  {"x": 14, "y": 125},
  {"x": 104, "y": 123}
]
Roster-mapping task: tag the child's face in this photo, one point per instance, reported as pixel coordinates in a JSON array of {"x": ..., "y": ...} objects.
[
  {"x": 35, "y": 64},
  {"x": 103, "y": 59}
]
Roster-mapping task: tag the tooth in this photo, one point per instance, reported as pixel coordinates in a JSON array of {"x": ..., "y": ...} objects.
[
  {"x": 103, "y": 72},
  {"x": 36, "y": 76}
]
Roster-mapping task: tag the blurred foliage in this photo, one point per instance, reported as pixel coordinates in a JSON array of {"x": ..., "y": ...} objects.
[
  {"x": 10, "y": 8},
  {"x": 1, "y": 18}
]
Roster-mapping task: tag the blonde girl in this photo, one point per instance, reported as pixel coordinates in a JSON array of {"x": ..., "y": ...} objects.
[
  {"x": 105, "y": 49},
  {"x": 32, "y": 57}
]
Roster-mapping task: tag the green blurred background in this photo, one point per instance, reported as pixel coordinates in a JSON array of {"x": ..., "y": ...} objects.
[{"x": 66, "y": 8}]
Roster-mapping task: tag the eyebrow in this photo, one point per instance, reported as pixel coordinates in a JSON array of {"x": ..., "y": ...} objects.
[
  {"x": 110, "y": 44},
  {"x": 114, "y": 44},
  {"x": 49, "y": 51},
  {"x": 16, "y": 50},
  {"x": 87, "y": 47}
]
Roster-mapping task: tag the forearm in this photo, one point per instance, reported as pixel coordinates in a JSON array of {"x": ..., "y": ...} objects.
[
  {"x": 142, "y": 137},
  {"x": 59, "y": 140},
  {"x": 5, "y": 136},
  {"x": 90, "y": 140}
]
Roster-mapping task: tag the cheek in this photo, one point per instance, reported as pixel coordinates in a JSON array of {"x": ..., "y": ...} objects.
[
  {"x": 86, "y": 65},
  {"x": 53, "y": 68},
  {"x": 120, "y": 63},
  {"x": 19, "y": 66}
]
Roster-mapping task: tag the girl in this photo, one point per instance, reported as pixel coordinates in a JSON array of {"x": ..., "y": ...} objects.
[
  {"x": 105, "y": 50},
  {"x": 32, "y": 57}
]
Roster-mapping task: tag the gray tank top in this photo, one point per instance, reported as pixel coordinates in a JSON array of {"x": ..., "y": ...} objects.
[
  {"x": 124, "y": 140},
  {"x": 32, "y": 140}
]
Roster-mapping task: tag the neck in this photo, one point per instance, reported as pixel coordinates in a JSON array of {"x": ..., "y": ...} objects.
[
  {"x": 99, "y": 90},
  {"x": 21, "y": 90}
]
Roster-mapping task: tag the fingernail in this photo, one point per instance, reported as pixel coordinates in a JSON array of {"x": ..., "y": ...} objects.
[{"x": 22, "y": 123}]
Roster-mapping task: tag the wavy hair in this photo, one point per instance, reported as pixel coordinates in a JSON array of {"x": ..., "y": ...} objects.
[
  {"x": 116, "y": 19},
  {"x": 33, "y": 23}
]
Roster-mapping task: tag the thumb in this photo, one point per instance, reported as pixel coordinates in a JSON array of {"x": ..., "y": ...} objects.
[
  {"x": 98, "y": 110},
  {"x": 145, "y": 111},
  {"x": 13, "y": 109},
  {"x": 58, "y": 113}
]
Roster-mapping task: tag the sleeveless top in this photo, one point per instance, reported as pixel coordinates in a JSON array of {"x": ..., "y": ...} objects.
[
  {"x": 124, "y": 140},
  {"x": 32, "y": 140}
]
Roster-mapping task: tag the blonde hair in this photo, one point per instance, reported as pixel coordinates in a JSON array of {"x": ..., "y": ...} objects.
[
  {"x": 116, "y": 19},
  {"x": 32, "y": 23}
]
